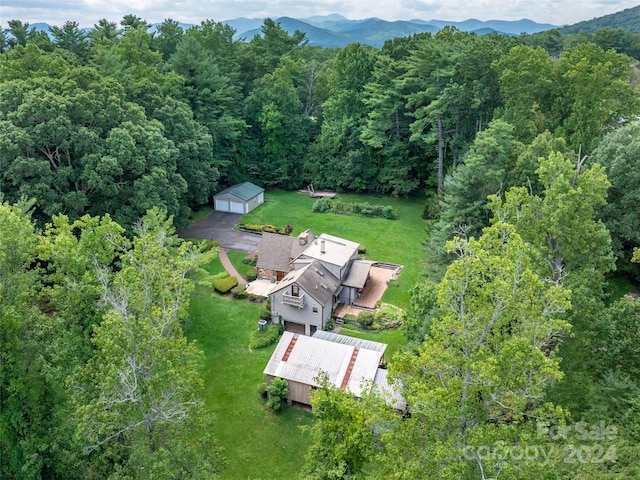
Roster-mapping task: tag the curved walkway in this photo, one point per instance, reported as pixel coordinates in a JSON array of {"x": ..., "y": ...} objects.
[{"x": 228, "y": 266}]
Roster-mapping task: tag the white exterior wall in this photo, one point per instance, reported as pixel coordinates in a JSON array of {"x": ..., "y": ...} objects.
[{"x": 230, "y": 203}]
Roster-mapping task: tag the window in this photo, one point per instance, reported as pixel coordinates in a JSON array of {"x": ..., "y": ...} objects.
[
  {"x": 295, "y": 291},
  {"x": 315, "y": 309}
]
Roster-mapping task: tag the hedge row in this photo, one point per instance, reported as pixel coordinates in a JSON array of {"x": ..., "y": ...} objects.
[
  {"x": 224, "y": 284},
  {"x": 254, "y": 227},
  {"x": 266, "y": 337},
  {"x": 327, "y": 205}
]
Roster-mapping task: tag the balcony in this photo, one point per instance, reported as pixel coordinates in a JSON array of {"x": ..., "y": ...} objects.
[{"x": 294, "y": 301}]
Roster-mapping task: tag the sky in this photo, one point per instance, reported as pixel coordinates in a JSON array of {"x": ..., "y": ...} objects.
[{"x": 88, "y": 12}]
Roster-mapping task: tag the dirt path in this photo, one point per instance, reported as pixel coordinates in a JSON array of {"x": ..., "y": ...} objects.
[{"x": 228, "y": 266}]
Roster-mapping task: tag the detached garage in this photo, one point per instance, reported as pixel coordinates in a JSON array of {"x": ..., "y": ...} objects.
[{"x": 240, "y": 198}]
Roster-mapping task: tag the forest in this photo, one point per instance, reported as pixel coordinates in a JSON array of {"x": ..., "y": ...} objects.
[{"x": 522, "y": 356}]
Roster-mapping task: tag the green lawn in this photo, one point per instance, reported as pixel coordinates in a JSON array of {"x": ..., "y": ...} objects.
[
  {"x": 236, "y": 260},
  {"x": 258, "y": 443},
  {"x": 395, "y": 241}
]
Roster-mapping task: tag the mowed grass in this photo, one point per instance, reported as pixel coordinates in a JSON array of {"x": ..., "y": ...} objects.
[
  {"x": 258, "y": 443},
  {"x": 394, "y": 241}
]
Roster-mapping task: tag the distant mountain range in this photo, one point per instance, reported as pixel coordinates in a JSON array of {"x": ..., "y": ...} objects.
[{"x": 336, "y": 31}]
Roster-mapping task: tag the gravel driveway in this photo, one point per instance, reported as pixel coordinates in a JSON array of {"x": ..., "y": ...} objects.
[{"x": 219, "y": 226}]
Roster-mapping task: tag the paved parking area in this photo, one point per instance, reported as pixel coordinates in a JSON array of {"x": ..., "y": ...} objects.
[{"x": 218, "y": 226}]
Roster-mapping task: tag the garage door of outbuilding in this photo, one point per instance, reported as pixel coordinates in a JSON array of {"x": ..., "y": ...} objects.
[
  {"x": 236, "y": 207},
  {"x": 222, "y": 205},
  {"x": 294, "y": 327}
]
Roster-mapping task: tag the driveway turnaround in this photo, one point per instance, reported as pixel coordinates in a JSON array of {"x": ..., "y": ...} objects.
[{"x": 218, "y": 226}]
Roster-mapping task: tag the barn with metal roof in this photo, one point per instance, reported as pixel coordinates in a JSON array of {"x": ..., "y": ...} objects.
[{"x": 348, "y": 363}]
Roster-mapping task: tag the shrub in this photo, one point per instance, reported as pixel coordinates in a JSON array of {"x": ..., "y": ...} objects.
[
  {"x": 240, "y": 293},
  {"x": 349, "y": 318},
  {"x": 266, "y": 337},
  {"x": 265, "y": 314},
  {"x": 253, "y": 298},
  {"x": 362, "y": 249},
  {"x": 224, "y": 285},
  {"x": 322, "y": 205},
  {"x": 331, "y": 324},
  {"x": 261, "y": 390},
  {"x": 389, "y": 317},
  {"x": 365, "y": 209},
  {"x": 252, "y": 274},
  {"x": 250, "y": 260},
  {"x": 389, "y": 213},
  {"x": 365, "y": 318},
  {"x": 278, "y": 390}
]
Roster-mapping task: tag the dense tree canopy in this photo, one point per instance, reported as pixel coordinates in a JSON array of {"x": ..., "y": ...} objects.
[{"x": 101, "y": 132}]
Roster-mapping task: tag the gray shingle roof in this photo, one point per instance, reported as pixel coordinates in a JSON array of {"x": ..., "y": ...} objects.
[
  {"x": 358, "y": 273},
  {"x": 317, "y": 282},
  {"x": 276, "y": 251}
]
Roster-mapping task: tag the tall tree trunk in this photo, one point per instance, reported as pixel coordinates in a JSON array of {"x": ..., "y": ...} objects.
[{"x": 440, "y": 155}]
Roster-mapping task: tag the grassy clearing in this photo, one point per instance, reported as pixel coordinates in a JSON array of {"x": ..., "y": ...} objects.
[
  {"x": 394, "y": 241},
  {"x": 258, "y": 443},
  {"x": 236, "y": 260}
]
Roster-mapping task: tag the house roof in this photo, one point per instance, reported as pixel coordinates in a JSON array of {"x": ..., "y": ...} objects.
[
  {"x": 245, "y": 191},
  {"x": 276, "y": 251},
  {"x": 346, "y": 366},
  {"x": 330, "y": 249},
  {"x": 353, "y": 341},
  {"x": 314, "y": 279},
  {"x": 391, "y": 394},
  {"x": 358, "y": 273}
]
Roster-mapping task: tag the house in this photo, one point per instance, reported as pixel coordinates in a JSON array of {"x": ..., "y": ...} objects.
[
  {"x": 276, "y": 252},
  {"x": 348, "y": 363},
  {"x": 305, "y": 298},
  {"x": 334, "y": 253},
  {"x": 241, "y": 198}
]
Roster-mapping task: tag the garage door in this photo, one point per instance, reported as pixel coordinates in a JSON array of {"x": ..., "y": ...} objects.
[
  {"x": 222, "y": 205},
  {"x": 294, "y": 327},
  {"x": 237, "y": 207}
]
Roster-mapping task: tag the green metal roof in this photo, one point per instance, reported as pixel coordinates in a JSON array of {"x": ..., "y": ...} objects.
[{"x": 245, "y": 191}]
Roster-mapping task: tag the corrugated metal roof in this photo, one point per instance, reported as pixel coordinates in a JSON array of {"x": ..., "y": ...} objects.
[
  {"x": 391, "y": 394},
  {"x": 311, "y": 356},
  {"x": 354, "y": 342},
  {"x": 245, "y": 191}
]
